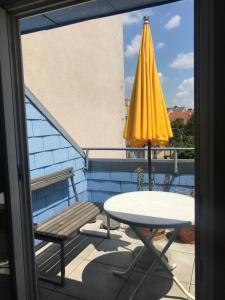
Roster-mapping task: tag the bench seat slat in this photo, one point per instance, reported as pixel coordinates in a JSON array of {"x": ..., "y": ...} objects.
[
  {"x": 46, "y": 180},
  {"x": 62, "y": 215},
  {"x": 73, "y": 213},
  {"x": 37, "y": 186},
  {"x": 78, "y": 222},
  {"x": 73, "y": 220},
  {"x": 61, "y": 227}
]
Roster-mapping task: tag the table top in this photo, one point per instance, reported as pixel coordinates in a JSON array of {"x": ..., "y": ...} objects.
[{"x": 151, "y": 209}]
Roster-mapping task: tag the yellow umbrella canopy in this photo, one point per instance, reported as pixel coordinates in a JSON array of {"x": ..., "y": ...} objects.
[{"x": 148, "y": 119}]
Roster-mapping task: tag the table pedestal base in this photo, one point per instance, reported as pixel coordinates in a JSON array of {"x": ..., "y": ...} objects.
[{"x": 158, "y": 260}]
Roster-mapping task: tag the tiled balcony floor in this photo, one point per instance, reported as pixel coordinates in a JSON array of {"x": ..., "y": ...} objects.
[{"x": 91, "y": 260}]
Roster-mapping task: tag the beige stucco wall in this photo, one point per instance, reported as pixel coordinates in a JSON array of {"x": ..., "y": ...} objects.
[{"x": 77, "y": 73}]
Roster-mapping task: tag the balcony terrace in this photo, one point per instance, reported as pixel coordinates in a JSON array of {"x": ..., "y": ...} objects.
[{"x": 91, "y": 260}]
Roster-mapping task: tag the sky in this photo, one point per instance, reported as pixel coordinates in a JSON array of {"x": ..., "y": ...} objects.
[{"x": 172, "y": 28}]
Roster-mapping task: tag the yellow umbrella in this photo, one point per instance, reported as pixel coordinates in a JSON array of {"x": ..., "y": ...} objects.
[{"x": 148, "y": 122}]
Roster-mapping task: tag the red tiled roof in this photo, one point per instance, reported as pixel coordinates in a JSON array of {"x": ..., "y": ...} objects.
[{"x": 184, "y": 115}]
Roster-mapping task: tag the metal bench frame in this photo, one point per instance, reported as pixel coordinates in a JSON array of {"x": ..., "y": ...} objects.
[{"x": 47, "y": 180}]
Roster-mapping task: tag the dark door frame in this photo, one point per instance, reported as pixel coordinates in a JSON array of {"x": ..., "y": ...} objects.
[
  {"x": 18, "y": 191},
  {"x": 16, "y": 176}
]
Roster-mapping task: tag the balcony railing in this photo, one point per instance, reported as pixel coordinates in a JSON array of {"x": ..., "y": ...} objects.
[{"x": 134, "y": 153}]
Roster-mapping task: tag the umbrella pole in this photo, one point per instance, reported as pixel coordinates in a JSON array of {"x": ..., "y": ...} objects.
[{"x": 149, "y": 166}]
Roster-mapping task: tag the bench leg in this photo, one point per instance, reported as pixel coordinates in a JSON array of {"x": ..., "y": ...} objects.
[
  {"x": 108, "y": 227},
  {"x": 62, "y": 254},
  {"x": 62, "y": 266}
]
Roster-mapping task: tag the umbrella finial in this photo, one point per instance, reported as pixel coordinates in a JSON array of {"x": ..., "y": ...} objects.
[{"x": 146, "y": 19}]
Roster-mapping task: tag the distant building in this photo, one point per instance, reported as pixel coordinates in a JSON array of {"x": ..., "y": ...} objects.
[
  {"x": 177, "y": 108},
  {"x": 182, "y": 113}
]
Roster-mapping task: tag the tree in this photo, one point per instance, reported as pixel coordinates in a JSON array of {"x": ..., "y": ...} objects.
[
  {"x": 190, "y": 130},
  {"x": 183, "y": 136}
]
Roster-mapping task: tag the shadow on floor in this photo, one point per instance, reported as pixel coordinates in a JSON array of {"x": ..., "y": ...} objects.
[
  {"x": 129, "y": 232},
  {"x": 48, "y": 261},
  {"x": 94, "y": 280}
]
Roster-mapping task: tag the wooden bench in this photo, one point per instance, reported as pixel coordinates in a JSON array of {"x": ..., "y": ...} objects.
[{"x": 61, "y": 227}]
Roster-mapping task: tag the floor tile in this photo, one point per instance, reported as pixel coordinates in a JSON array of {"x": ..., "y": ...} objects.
[
  {"x": 127, "y": 235},
  {"x": 154, "y": 288},
  {"x": 79, "y": 246},
  {"x": 184, "y": 264},
  {"x": 90, "y": 262},
  {"x": 124, "y": 233},
  {"x": 177, "y": 246},
  {"x": 114, "y": 253},
  {"x": 175, "y": 293},
  {"x": 46, "y": 285},
  {"x": 59, "y": 296},
  {"x": 50, "y": 266},
  {"x": 94, "y": 229},
  {"x": 91, "y": 281},
  {"x": 43, "y": 293},
  {"x": 192, "y": 289},
  {"x": 86, "y": 246},
  {"x": 72, "y": 266}
]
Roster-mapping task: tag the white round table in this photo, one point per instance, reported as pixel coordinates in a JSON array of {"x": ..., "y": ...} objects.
[{"x": 152, "y": 209}]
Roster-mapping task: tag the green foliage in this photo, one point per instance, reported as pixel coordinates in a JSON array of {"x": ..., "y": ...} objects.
[
  {"x": 183, "y": 136},
  {"x": 140, "y": 178}
]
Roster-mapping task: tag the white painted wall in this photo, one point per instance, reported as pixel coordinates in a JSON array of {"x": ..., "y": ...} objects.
[{"x": 77, "y": 73}]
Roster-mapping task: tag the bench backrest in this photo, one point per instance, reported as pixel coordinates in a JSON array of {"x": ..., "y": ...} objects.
[{"x": 52, "y": 178}]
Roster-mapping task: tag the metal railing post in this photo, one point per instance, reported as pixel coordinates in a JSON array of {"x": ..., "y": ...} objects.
[
  {"x": 87, "y": 159},
  {"x": 175, "y": 162}
]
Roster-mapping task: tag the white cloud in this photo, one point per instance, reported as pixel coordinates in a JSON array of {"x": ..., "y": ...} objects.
[
  {"x": 165, "y": 17},
  {"x": 185, "y": 93},
  {"x": 162, "y": 78},
  {"x": 132, "y": 18},
  {"x": 133, "y": 47},
  {"x": 186, "y": 87},
  {"x": 129, "y": 80},
  {"x": 135, "y": 17},
  {"x": 183, "y": 102},
  {"x": 173, "y": 22},
  {"x": 181, "y": 94},
  {"x": 160, "y": 45},
  {"x": 183, "y": 61}
]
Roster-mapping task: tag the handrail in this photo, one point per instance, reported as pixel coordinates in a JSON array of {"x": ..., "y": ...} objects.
[
  {"x": 51, "y": 178},
  {"x": 175, "y": 149},
  {"x": 135, "y": 148}
]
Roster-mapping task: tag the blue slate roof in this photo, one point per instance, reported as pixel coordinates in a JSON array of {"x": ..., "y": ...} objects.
[{"x": 84, "y": 11}]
